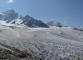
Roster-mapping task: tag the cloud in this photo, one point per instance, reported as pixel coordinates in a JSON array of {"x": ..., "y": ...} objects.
[
  {"x": 10, "y": 1},
  {"x": 65, "y": 22},
  {"x": 40, "y": 19}
]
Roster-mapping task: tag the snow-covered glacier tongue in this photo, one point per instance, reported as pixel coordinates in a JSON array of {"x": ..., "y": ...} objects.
[{"x": 48, "y": 43}]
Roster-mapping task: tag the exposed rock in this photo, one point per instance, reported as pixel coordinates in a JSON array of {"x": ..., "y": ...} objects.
[{"x": 22, "y": 55}]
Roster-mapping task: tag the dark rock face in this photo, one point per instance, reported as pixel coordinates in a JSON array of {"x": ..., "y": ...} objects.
[
  {"x": 10, "y": 15},
  {"x": 22, "y": 55},
  {"x": 1, "y": 17},
  {"x": 31, "y": 22},
  {"x": 78, "y": 29}
]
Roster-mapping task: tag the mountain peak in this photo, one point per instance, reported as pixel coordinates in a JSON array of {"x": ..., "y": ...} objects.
[
  {"x": 12, "y": 10},
  {"x": 9, "y": 11},
  {"x": 13, "y": 17},
  {"x": 9, "y": 15},
  {"x": 54, "y": 23}
]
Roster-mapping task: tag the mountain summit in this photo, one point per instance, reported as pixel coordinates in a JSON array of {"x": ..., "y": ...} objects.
[
  {"x": 13, "y": 17},
  {"x": 54, "y": 23},
  {"x": 8, "y": 16}
]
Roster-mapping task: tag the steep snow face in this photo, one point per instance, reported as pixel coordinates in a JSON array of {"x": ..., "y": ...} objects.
[
  {"x": 54, "y": 23},
  {"x": 16, "y": 21},
  {"x": 9, "y": 15},
  {"x": 4, "y": 24},
  {"x": 2, "y": 14},
  {"x": 49, "y": 43}
]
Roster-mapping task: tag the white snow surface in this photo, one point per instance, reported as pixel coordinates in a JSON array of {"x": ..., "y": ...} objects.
[
  {"x": 2, "y": 14},
  {"x": 17, "y": 24},
  {"x": 6, "y": 24},
  {"x": 49, "y": 43},
  {"x": 17, "y": 21}
]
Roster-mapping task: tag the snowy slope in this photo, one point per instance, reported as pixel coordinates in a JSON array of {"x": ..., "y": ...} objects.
[
  {"x": 50, "y": 43},
  {"x": 17, "y": 24}
]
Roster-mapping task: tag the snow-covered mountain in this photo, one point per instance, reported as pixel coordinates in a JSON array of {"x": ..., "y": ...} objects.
[
  {"x": 13, "y": 17},
  {"x": 51, "y": 43},
  {"x": 54, "y": 23},
  {"x": 10, "y": 15}
]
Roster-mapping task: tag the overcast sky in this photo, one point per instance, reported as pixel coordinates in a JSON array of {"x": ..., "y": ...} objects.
[{"x": 67, "y": 12}]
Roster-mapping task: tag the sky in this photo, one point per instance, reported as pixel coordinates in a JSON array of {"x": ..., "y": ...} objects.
[{"x": 67, "y": 12}]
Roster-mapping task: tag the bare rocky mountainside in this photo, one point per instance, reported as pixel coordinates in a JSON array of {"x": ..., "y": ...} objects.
[
  {"x": 18, "y": 40},
  {"x": 12, "y": 53}
]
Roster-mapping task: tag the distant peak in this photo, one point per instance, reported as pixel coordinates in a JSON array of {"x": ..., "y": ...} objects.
[
  {"x": 9, "y": 11},
  {"x": 54, "y": 23}
]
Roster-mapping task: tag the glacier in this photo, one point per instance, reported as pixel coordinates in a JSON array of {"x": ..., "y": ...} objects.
[{"x": 49, "y": 43}]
